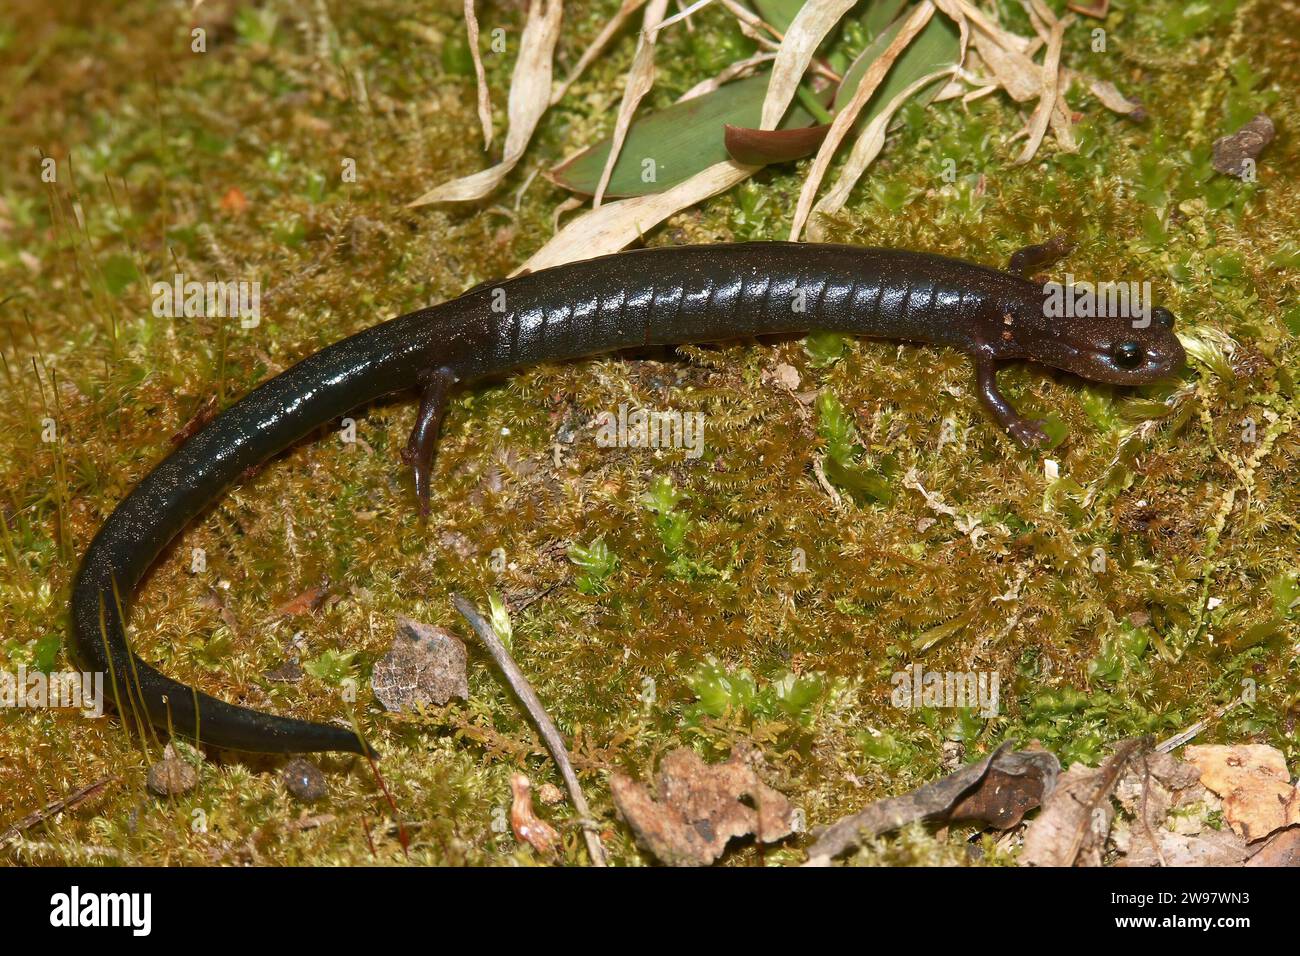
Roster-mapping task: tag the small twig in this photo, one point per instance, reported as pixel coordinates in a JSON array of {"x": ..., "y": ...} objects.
[
  {"x": 529, "y": 601},
  {"x": 1177, "y": 740},
  {"x": 819, "y": 469},
  {"x": 402, "y": 838},
  {"x": 56, "y": 806},
  {"x": 550, "y": 734}
]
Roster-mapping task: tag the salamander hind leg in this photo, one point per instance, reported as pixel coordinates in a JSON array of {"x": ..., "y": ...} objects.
[
  {"x": 1023, "y": 261},
  {"x": 423, "y": 442}
]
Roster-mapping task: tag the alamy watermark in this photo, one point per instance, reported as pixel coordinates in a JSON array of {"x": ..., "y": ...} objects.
[
  {"x": 60, "y": 690},
  {"x": 1101, "y": 300},
  {"x": 974, "y": 690},
  {"x": 191, "y": 299},
  {"x": 651, "y": 428},
  {"x": 74, "y": 908}
]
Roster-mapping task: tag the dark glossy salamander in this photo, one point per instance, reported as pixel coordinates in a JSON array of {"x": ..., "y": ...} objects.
[{"x": 667, "y": 295}]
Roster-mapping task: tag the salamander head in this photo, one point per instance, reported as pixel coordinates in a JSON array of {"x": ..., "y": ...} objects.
[{"x": 1118, "y": 351}]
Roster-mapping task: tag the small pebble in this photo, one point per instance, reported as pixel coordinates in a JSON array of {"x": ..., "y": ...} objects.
[
  {"x": 304, "y": 780},
  {"x": 425, "y": 665},
  {"x": 290, "y": 672},
  {"x": 550, "y": 794},
  {"x": 1231, "y": 152},
  {"x": 171, "y": 776}
]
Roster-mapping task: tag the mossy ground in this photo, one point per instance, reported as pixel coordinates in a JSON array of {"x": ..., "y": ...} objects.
[{"x": 151, "y": 138}]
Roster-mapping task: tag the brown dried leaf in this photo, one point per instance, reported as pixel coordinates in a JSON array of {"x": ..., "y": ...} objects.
[
  {"x": 1110, "y": 96},
  {"x": 1097, "y": 9},
  {"x": 304, "y": 603},
  {"x": 1281, "y": 849},
  {"x": 1210, "y": 848},
  {"x": 425, "y": 665},
  {"x": 1076, "y": 818},
  {"x": 1254, "y": 783},
  {"x": 1150, "y": 786},
  {"x": 846, "y": 117},
  {"x": 528, "y": 827},
  {"x": 1004, "y": 53},
  {"x": 699, "y": 808},
  {"x": 940, "y": 800},
  {"x": 758, "y": 147},
  {"x": 1015, "y": 784}
]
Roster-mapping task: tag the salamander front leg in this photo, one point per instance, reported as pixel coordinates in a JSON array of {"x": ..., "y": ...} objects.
[
  {"x": 1043, "y": 254},
  {"x": 423, "y": 442},
  {"x": 1026, "y": 432}
]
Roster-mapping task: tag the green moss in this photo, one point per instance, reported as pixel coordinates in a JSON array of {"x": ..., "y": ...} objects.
[{"x": 738, "y": 602}]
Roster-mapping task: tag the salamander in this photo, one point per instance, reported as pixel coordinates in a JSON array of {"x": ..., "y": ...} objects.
[{"x": 655, "y": 296}]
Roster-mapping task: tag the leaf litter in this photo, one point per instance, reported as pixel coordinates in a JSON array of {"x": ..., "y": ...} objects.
[{"x": 885, "y": 78}]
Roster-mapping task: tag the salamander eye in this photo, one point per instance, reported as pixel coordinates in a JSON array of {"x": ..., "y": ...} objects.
[
  {"x": 1127, "y": 355},
  {"x": 1163, "y": 317}
]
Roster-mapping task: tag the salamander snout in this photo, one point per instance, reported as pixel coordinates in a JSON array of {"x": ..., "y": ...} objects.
[{"x": 1120, "y": 351}]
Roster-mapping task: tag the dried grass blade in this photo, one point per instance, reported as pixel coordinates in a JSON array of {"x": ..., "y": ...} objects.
[
  {"x": 845, "y": 118},
  {"x": 1042, "y": 114},
  {"x": 811, "y": 25},
  {"x": 530, "y": 88},
  {"x": 614, "y": 225},
  {"x": 480, "y": 76},
  {"x": 640, "y": 79},
  {"x": 868, "y": 147}
]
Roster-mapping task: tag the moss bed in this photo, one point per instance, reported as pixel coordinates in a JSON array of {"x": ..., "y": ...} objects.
[{"x": 697, "y": 632}]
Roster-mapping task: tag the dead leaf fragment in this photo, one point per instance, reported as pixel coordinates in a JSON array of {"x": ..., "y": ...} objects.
[
  {"x": 784, "y": 375},
  {"x": 1282, "y": 849},
  {"x": 1150, "y": 786},
  {"x": 960, "y": 795},
  {"x": 1254, "y": 783},
  {"x": 699, "y": 808},
  {"x": 1210, "y": 848},
  {"x": 304, "y": 603},
  {"x": 537, "y": 833},
  {"x": 425, "y": 665},
  {"x": 1077, "y": 816},
  {"x": 1016, "y": 783}
]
